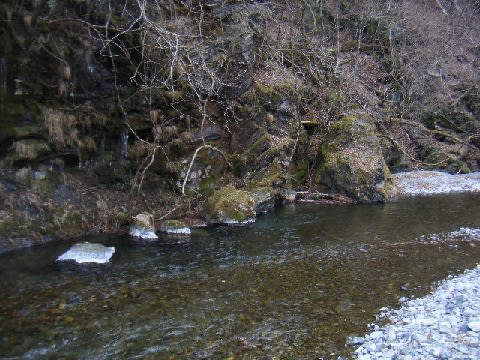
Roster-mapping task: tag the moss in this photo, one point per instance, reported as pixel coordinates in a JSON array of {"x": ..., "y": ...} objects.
[
  {"x": 17, "y": 227},
  {"x": 207, "y": 185},
  {"x": 174, "y": 227},
  {"x": 252, "y": 153},
  {"x": 276, "y": 152},
  {"x": 41, "y": 185},
  {"x": 174, "y": 224},
  {"x": 352, "y": 129},
  {"x": 273, "y": 176},
  {"x": 300, "y": 174},
  {"x": 26, "y": 131},
  {"x": 71, "y": 218},
  {"x": 28, "y": 149}
]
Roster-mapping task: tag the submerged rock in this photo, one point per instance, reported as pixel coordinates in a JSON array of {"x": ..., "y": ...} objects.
[
  {"x": 175, "y": 227},
  {"x": 88, "y": 253},
  {"x": 143, "y": 227},
  {"x": 230, "y": 206}
]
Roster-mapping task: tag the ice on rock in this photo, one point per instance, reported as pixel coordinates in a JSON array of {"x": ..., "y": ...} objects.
[{"x": 88, "y": 253}]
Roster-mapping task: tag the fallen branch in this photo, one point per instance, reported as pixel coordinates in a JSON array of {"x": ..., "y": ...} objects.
[{"x": 205, "y": 146}]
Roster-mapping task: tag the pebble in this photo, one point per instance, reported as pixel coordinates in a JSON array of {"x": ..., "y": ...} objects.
[
  {"x": 442, "y": 325},
  {"x": 474, "y": 326}
]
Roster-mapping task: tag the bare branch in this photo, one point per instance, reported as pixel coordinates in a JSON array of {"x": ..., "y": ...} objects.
[{"x": 205, "y": 146}]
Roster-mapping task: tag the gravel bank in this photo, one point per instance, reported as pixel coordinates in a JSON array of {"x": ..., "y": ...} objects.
[
  {"x": 434, "y": 182},
  {"x": 443, "y": 325}
]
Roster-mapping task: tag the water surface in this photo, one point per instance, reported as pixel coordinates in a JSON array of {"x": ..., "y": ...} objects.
[{"x": 293, "y": 285}]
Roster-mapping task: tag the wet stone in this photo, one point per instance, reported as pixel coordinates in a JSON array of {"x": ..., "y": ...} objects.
[
  {"x": 355, "y": 340},
  {"x": 474, "y": 326}
]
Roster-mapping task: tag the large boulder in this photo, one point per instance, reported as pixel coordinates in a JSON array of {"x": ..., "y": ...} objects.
[
  {"x": 352, "y": 160},
  {"x": 143, "y": 227},
  {"x": 88, "y": 253},
  {"x": 230, "y": 206}
]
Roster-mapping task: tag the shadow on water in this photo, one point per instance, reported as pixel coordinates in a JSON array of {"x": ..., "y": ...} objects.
[{"x": 293, "y": 285}]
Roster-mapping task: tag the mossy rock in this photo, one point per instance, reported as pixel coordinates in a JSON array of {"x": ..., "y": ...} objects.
[
  {"x": 28, "y": 149},
  {"x": 175, "y": 227},
  {"x": 356, "y": 172},
  {"x": 27, "y": 131},
  {"x": 352, "y": 160},
  {"x": 229, "y": 206}
]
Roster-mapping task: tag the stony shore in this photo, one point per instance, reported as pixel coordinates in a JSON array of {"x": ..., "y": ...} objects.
[
  {"x": 446, "y": 323},
  {"x": 442, "y": 325},
  {"x": 416, "y": 183}
]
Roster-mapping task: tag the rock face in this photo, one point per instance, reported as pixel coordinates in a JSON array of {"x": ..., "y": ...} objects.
[
  {"x": 143, "y": 227},
  {"x": 230, "y": 206},
  {"x": 88, "y": 253},
  {"x": 264, "y": 200},
  {"x": 352, "y": 159},
  {"x": 175, "y": 227}
]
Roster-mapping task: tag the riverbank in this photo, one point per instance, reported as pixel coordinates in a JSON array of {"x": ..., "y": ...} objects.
[
  {"x": 39, "y": 209},
  {"x": 443, "y": 325}
]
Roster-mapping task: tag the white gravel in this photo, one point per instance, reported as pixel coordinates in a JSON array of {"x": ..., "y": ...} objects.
[
  {"x": 434, "y": 182},
  {"x": 446, "y": 323},
  {"x": 442, "y": 325}
]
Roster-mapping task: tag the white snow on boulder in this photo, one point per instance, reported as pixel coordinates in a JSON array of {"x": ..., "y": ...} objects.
[{"x": 88, "y": 253}]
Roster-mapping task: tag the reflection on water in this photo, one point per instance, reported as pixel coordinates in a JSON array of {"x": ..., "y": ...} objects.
[{"x": 293, "y": 285}]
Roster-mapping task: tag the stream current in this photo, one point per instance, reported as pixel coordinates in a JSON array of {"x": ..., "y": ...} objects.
[{"x": 293, "y": 285}]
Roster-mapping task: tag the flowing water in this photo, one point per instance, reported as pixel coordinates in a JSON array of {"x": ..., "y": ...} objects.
[{"x": 294, "y": 285}]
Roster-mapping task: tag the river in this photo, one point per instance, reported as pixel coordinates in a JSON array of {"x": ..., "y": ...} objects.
[{"x": 294, "y": 285}]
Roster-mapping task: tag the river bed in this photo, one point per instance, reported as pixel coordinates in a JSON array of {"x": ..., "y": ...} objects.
[{"x": 296, "y": 284}]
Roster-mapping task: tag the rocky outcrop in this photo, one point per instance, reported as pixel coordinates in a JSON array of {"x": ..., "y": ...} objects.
[
  {"x": 143, "y": 227},
  {"x": 230, "y": 206},
  {"x": 351, "y": 160},
  {"x": 88, "y": 253}
]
